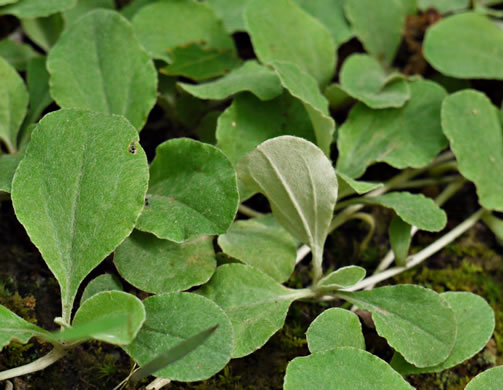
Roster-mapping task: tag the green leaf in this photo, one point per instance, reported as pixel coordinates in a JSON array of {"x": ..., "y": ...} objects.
[
  {"x": 342, "y": 369},
  {"x": 415, "y": 321},
  {"x": 252, "y": 77},
  {"x": 281, "y": 31},
  {"x": 84, "y": 68},
  {"x": 363, "y": 78},
  {"x": 5, "y": 2},
  {"x": 410, "y": 136},
  {"x": 165, "y": 266},
  {"x": 443, "y": 6},
  {"x": 414, "y": 209},
  {"x": 108, "y": 304},
  {"x": 44, "y": 31},
  {"x": 480, "y": 56},
  {"x": 378, "y": 24},
  {"x": 174, "y": 354},
  {"x": 249, "y": 121},
  {"x": 300, "y": 184},
  {"x": 83, "y": 7},
  {"x": 263, "y": 244},
  {"x": 14, "y": 328},
  {"x": 176, "y": 317},
  {"x": 472, "y": 125},
  {"x": 79, "y": 190},
  {"x": 334, "y": 328},
  {"x": 8, "y": 165},
  {"x": 104, "y": 282},
  {"x": 16, "y": 54},
  {"x": 475, "y": 319},
  {"x": 197, "y": 62},
  {"x": 255, "y": 303},
  {"x": 400, "y": 239},
  {"x": 207, "y": 128},
  {"x": 192, "y": 191},
  {"x": 231, "y": 12},
  {"x": 348, "y": 186},
  {"x": 493, "y": 223},
  {"x": 130, "y": 10},
  {"x": 304, "y": 87},
  {"x": 13, "y": 103},
  {"x": 491, "y": 379},
  {"x": 90, "y": 329},
  {"x": 337, "y": 97},
  {"x": 343, "y": 277},
  {"x": 331, "y": 14},
  {"x": 165, "y": 25},
  {"x": 37, "y": 78},
  {"x": 37, "y": 8}
]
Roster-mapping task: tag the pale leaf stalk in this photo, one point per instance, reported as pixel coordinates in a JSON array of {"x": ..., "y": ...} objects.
[
  {"x": 249, "y": 212},
  {"x": 37, "y": 365}
]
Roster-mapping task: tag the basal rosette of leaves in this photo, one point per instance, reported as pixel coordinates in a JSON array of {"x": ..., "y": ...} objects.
[{"x": 203, "y": 150}]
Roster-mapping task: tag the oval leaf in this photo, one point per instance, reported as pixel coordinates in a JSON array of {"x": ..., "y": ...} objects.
[
  {"x": 111, "y": 304},
  {"x": 415, "y": 321},
  {"x": 281, "y": 31},
  {"x": 79, "y": 190},
  {"x": 473, "y": 127},
  {"x": 175, "y": 317},
  {"x": 263, "y": 244},
  {"x": 27, "y": 9},
  {"x": 14, "y": 328},
  {"x": 105, "y": 282},
  {"x": 475, "y": 319},
  {"x": 480, "y": 56},
  {"x": 255, "y": 303},
  {"x": 192, "y": 191},
  {"x": 165, "y": 266},
  {"x": 300, "y": 184},
  {"x": 335, "y": 328},
  {"x": 491, "y": 379},
  {"x": 84, "y": 68},
  {"x": 343, "y": 277},
  {"x": 342, "y": 369}
]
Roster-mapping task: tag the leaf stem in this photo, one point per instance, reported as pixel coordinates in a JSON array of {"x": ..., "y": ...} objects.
[
  {"x": 37, "y": 365},
  {"x": 249, "y": 212}
]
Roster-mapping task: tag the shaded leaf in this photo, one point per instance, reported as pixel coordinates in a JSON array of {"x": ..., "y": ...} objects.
[
  {"x": 14, "y": 328},
  {"x": 281, "y": 31},
  {"x": 491, "y": 379},
  {"x": 105, "y": 282},
  {"x": 347, "y": 185},
  {"x": 83, "y": 7},
  {"x": 363, "y": 78},
  {"x": 400, "y": 239},
  {"x": 8, "y": 165},
  {"x": 16, "y": 54},
  {"x": 192, "y": 191},
  {"x": 443, "y": 6},
  {"x": 343, "y": 277},
  {"x": 231, "y": 12},
  {"x": 337, "y": 97},
  {"x": 255, "y": 303},
  {"x": 252, "y": 77},
  {"x": 410, "y": 136},
  {"x": 130, "y": 9},
  {"x": 342, "y": 369},
  {"x": 334, "y": 328},
  {"x": 472, "y": 125},
  {"x": 480, "y": 56},
  {"x": 475, "y": 320},
  {"x": 263, "y": 244},
  {"x": 176, "y": 317},
  {"x": 79, "y": 190},
  {"x": 165, "y": 266},
  {"x": 415, "y": 321},
  {"x": 37, "y": 78},
  {"x": 36, "y": 8},
  {"x": 84, "y": 68},
  {"x": 44, "y": 31}
]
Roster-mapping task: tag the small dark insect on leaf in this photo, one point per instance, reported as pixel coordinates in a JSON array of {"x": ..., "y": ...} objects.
[{"x": 132, "y": 148}]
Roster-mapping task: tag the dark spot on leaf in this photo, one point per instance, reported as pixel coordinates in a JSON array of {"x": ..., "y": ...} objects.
[{"x": 132, "y": 148}]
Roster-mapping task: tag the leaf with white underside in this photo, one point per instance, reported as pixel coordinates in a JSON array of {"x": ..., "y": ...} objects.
[
  {"x": 84, "y": 68},
  {"x": 263, "y": 244},
  {"x": 300, "y": 184},
  {"x": 415, "y": 321},
  {"x": 105, "y": 282},
  {"x": 192, "y": 191},
  {"x": 400, "y": 239},
  {"x": 304, "y": 87},
  {"x": 475, "y": 319},
  {"x": 175, "y": 317},
  {"x": 491, "y": 379},
  {"x": 280, "y": 30},
  {"x": 342, "y": 368},
  {"x": 36, "y": 8},
  {"x": 343, "y": 277},
  {"x": 13, "y": 104},
  {"x": 481, "y": 54},
  {"x": 165, "y": 265},
  {"x": 334, "y": 328},
  {"x": 410, "y": 136},
  {"x": 79, "y": 191},
  {"x": 251, "y": 76},
  {"x": 472, "y": 125},
  {"x": 255, "y": 303},
  {"x": 108, "y": 304},
  {"x": 14, "y": 328},
  {"x": 363, "y": 78}
]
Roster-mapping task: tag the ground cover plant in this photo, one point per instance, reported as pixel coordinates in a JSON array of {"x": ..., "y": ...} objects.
[{"x": 207, "y": 151}]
